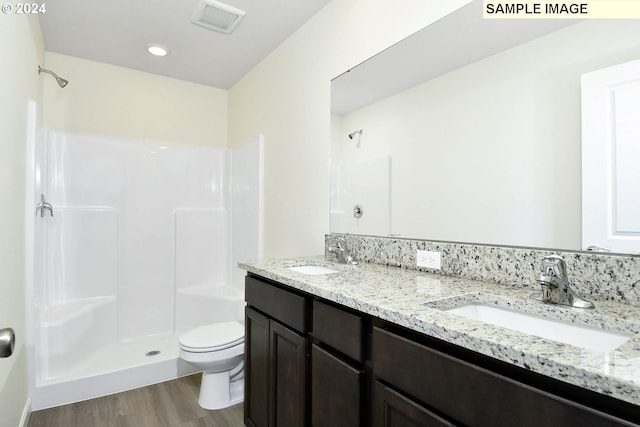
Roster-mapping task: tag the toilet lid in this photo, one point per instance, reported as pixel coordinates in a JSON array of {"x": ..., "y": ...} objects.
[{"x": 216, "y": 336}]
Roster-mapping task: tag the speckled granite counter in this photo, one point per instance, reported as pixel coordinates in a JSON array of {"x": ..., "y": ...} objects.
[{"x": 413, "y": 299}]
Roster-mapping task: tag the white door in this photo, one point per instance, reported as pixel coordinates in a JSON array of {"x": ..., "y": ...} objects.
[{"x": 611, "y": 158}]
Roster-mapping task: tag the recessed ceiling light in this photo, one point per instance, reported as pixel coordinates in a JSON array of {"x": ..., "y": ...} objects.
[{"x": 157, "y": 50}]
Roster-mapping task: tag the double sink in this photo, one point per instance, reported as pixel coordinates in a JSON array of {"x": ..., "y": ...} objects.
[{"x": 581, "y": 328}]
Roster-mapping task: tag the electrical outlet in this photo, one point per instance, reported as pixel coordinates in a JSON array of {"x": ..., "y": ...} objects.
[{"x": 428, "y": 259}]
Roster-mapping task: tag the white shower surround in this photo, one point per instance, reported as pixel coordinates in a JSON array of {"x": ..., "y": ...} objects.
[{"x": 139, "y": 250}]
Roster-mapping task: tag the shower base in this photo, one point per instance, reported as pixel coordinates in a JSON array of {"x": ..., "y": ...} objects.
[{"x": 116, "y": 368}]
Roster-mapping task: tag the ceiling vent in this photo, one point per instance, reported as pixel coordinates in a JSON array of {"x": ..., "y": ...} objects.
[{"x": 217, "y": 16}]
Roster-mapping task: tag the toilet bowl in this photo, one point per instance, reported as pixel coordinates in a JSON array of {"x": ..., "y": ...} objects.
[{"x": 218, "y": 350}]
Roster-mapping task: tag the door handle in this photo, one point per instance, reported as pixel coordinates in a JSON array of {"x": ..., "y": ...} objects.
[{"x": 7, "y": 342}]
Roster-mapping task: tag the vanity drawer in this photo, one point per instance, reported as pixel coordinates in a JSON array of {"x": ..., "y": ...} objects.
[
  {"x": 285, "y": 306},
  {"x": 470, "y": 394},
  {"x": 338, "y": 329}
]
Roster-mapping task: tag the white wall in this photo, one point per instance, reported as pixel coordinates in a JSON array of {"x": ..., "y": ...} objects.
[
  {"x": 491, "y": 152},
  {"x": 107, "y": 100},
  {"x": 286, "y": 98},
  {"x": 21, "y": 51}
]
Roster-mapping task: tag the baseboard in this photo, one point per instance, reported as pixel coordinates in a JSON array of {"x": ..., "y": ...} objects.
[{"x": 26, "y": 413}]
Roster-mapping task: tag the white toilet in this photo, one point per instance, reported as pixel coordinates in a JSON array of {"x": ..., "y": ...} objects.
[{"x": 218, "y": 350}]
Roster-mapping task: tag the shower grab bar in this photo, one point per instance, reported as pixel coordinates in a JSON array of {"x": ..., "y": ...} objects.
[{"x": 42, "y": 206}]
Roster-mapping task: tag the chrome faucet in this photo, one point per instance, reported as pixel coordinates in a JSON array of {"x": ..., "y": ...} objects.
[
  {"x": 556, "y": 288},
  {"x": 42, "y": 206},
  {"x": 341, "y": 250}
]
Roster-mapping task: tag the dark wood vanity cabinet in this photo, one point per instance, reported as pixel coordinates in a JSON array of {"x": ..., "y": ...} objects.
[
  {"x": 310, "y": 362},
  {"x": 290, "y": 382},
  {"x": 275, "y": 357}
]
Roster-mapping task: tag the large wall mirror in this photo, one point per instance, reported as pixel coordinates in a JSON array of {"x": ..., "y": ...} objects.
[{"x": 481, "y": 121}]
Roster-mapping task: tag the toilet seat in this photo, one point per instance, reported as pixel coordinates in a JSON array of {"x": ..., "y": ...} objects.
[{"x": 214, "y": 337}]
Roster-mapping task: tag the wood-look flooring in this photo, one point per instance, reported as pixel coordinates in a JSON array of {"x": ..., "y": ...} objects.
[{"x": 169, "y": 404}]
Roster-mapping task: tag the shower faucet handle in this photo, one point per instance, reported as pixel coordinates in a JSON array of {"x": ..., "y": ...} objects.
[{"x": 42, "y": 206}]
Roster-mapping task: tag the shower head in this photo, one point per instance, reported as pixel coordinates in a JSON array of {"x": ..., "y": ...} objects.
[
  {"x": 61, "y": 82},
  {"x": 353, "y": 134}
]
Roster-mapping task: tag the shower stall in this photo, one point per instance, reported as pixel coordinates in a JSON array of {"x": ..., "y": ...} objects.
[{"x": 134, "y": 242}]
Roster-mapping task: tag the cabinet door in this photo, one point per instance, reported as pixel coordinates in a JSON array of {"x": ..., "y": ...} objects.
[
  {"x": 335, "y": 391},
  {"x": 288, "y": 375},
  {"x": 391, "y": 409},
  {"x": 256, "y": 391}
]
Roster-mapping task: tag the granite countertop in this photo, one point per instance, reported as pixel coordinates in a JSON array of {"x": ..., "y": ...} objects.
[{"x": 413, "y": 299}]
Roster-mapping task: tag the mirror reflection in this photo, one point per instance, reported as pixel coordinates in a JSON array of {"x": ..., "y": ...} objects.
[{"x": 486, "y": 148}]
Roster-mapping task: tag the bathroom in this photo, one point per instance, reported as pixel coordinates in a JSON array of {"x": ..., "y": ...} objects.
[{"x": 297, "y": 74}]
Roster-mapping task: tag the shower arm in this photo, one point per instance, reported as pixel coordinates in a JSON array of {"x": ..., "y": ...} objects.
[{"x": 61, "y": 82}]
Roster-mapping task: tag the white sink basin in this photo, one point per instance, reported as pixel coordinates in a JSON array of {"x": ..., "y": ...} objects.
[
  {"x": 600, "y": 340},
  {"x": 313, "y": 270}
]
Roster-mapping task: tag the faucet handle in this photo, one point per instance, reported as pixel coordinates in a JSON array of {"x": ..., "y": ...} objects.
[
  {"x": 340, "y": 241},
  {"x": 554, "y": 265}
]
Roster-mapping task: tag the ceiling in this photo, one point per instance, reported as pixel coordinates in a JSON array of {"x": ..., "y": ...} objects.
[{"x": 118, "y": 31}]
